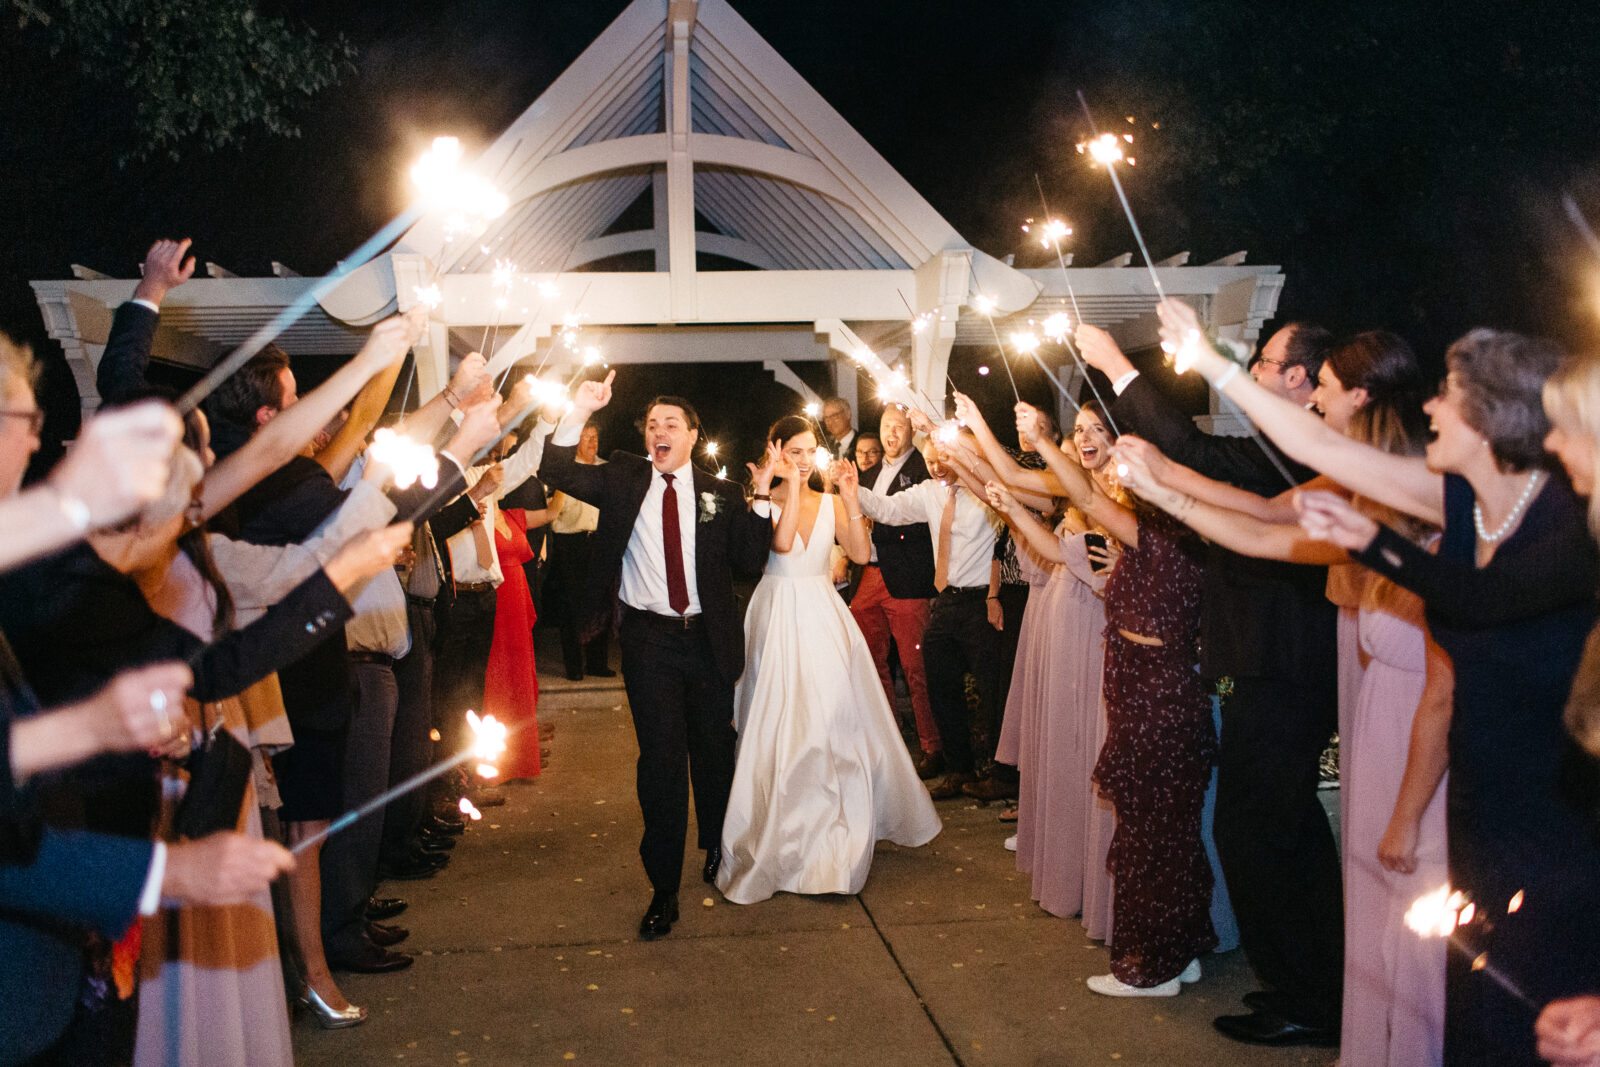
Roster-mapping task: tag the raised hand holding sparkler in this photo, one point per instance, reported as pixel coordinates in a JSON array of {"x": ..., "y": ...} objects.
[{"x": 1107, "y": 151}]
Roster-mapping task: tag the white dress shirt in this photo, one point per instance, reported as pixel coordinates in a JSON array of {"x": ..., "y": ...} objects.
[
  {"x": 575, "y": 515},
  {"x": 515, "y": 469},
  {"x": 972, "y": 535},
  {"x": 644, "y": 562}
]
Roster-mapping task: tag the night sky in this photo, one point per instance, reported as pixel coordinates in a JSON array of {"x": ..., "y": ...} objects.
[{"x": 1405, "y": 169}]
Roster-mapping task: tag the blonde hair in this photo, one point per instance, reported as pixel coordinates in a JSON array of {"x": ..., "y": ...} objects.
[
  {"x": 1572, "y": 401},
  {"x": 17, "y": 367}
]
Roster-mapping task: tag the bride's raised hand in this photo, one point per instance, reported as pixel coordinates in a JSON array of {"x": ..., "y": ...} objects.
[
  {"x": 843, "y": 474},
  {"x": 761, "y": 474}
]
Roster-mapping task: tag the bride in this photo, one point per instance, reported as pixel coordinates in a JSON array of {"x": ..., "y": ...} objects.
[{"x": 822, "y": 772}]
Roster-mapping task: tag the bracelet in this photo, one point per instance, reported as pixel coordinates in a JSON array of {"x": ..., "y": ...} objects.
[
  {"x": 75, "y": 511},
  {"x": 854, "y": 517},
  {"x": 1226, "y": 376},
  {"x": 762, "y": 496},
  {"x": 994, "y": 598}
]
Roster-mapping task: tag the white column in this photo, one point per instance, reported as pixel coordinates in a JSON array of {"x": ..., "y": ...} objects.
[{"x": 680, "y": 164}]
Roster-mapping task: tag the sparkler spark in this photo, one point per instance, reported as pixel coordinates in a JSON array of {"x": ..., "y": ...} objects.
[
  {"x": 711, "y": 448},
  {"x": 1024, "y": 341},
  {"x": 1443, "y": 911},
  {"x": 428, "y": 295},
  {"x": 470, "y": 810},
  {"x": 488, "y": 742},
  {"x": 983, "y": 304},
  {"x": 1105, "y": 149},
  {"x": 811, "y": 410},
  {"x": 821, "y": 458},
  {"x": 411, "y": 461},
  {"x": 466, "y": 200}
]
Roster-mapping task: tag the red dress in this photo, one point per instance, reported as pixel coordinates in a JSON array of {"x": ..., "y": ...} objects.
[{"x": 510, "y": 685}]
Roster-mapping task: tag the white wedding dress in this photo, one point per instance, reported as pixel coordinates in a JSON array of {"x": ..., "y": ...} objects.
[{"x": 822, "y": 772}]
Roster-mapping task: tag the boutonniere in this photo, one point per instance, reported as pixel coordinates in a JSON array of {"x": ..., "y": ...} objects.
[
  {"x": 902, "y": 482},
  {"x": 708, "y": 506}
]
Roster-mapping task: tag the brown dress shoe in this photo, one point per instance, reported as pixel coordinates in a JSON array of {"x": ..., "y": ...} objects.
[
  {"x": 990, "y": 789},
  {"x": 930, "y": 765},
  {"x": 950, "y": 785}
]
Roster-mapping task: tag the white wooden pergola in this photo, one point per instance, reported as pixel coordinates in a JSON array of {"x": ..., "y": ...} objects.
[{"x": 680, "y": 106}]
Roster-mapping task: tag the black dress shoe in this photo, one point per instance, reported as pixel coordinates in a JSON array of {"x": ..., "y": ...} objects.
[
  {"x": 1270, "y": 1028},
  {"x": 386, "y": 936},
  {"x": 713, "y": 863},
  {"x": 416, "y": 866},
  {"x": 373, "y": 960},
  {"x": 381, "y": 908},
  {"x": 435, "y": 842},
  {"x": 440, "y": 825},
  {"x": 603, "y": 672},
  {"x": 659, "y": 917}
]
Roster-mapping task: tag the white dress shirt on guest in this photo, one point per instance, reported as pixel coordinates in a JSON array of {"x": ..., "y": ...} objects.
[
  {"x": 515, "y": 469},
  {"x": 972, "y": 534}
]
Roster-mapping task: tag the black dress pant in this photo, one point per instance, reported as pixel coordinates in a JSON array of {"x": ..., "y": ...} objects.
[
  {"x": 1276, "y": 847},
  {"x": 1013, "y": 602},
  {"x": 683, "y": 718},
  {"x": 958, "y": 639},
  {"x": 569, "y": 580},
  {"x": 411, "y": 750},
  {"x": 466, "y": 631}
]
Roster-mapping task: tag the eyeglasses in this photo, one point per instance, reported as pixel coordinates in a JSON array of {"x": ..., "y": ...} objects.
[
  {"x": 1274, "y": 362},
  {"x": 35, "y": 418}
]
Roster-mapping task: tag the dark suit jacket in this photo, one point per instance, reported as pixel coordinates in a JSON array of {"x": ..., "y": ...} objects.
[
  {"x": 905, "y": 553},
  {"x": 1259, "y": 618},
  {"x": 733, "y": 540},
  {"x": 120, "y": 373}
]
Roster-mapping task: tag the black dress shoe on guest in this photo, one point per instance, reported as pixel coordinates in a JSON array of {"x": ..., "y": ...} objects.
[
  {"x": 386, "y": 936},
  {"x": 489, "y": 796},
  {"x": 373, "y": 960},
  {"x": 440, "y": 825},
  {"x": 603, "y": 672},
  {"x": 435, "y": 842},
  {"x": 381, "y": 908},
  {"x": 1270, "y": 1028},
  {"x": 659, "y": 917},
  {"x": 415, "y": 867},
  {"x": 713, "y": 864},
  {"x": 930, "y": 765}
]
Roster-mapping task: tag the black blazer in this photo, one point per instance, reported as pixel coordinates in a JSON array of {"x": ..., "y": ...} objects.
[
  {"x": 905, "y": 553},
  {"x": 1259, "y": 618},
  {"x": 732, "y": 540}
]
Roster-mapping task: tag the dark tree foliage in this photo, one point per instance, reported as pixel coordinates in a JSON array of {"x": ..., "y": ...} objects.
[{"x": 201, "y": 72}]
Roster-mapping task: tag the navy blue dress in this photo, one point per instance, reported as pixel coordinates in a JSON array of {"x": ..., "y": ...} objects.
[{"x": 1520, "y": 796}]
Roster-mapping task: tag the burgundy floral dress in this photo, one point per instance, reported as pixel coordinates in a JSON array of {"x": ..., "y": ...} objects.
[{"x": 1157, "y": 759}]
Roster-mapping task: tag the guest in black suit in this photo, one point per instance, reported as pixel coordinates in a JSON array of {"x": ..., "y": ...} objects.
[
  {"x": 670, "y": 540},
  {"x": 840, "y": 436},
  {"x": 1270, "y": 627}
]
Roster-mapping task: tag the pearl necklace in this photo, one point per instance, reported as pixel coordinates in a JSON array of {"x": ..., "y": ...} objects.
[{"x": 1535, "y": 480}]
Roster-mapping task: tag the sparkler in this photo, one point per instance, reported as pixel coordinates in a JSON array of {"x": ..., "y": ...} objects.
[
  {"x": 1442, "y": 912},
  {"x": 1107, "y": 149},
  {"x": 466, "y": 201},
  {"x": 411, "y": 461},
  {"x": 1058, "y": 327},
  {"x": 489, "y": 742},
  {"x": 985, "y": 306}
]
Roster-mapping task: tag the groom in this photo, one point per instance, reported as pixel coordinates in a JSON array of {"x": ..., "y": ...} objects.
[{"x": 669, "y": 541}]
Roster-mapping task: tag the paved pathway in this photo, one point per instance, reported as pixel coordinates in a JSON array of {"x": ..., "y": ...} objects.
[{"x": 527, "y": 952}]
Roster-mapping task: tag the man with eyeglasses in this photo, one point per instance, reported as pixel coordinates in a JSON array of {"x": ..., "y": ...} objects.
[
  {"x": 840, "y": 435},
  {"x": 869, "y": 451}
]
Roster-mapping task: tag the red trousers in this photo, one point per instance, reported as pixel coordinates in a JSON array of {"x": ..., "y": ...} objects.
[{"x": 881, "y": 616}]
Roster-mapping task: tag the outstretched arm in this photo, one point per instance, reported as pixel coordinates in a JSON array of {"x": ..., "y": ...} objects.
[
  {"x": 1042, "y": 542},
  {"x": 1243, "y": 533},
  {"x": 121, "y": 370},
  {"x": 1006, "y": 469},
  {"x": 1400, "y": 482},
  {"x": 1089, "y": 497},
  {"x": 1426, "y": 762},
  {"x": 278, "y": 441}
]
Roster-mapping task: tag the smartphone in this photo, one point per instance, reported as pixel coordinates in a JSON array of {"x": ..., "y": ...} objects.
[{"x": 1094, "y": 540}]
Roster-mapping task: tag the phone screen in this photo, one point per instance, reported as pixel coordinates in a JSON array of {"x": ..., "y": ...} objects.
[{"x": 1094, "y": 540}]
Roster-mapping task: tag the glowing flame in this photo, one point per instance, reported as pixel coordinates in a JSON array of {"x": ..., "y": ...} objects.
[
  {"x": 983, "y": 304},
  {"x": 711, "y": 448},
  {"x": 1025, "y": 342},
  {"x": 1105, "y": 149},
  {"x": 948, "y": 433},
  {"x": 811, "y": 410},
  {"x": 983, "y": 371},
  {"x": 504, "y": 274},
  {"x": 546, "y": 393},
  {"x": 1184, "y": 358},
  {"x": 549, "y": 290},
  {"x": 1054, "y": 231},
  {"x": 428, "y": 295},
  {"x": 821, "y": 457},
  {"x": 591, "y": 355},
  {"x": 470, "y": 810},
  {"x": 1057, "y": 326},
  {"x": 411, "y": 461},
  {"x": 1437, "y": 914},
  {"x": 488, "y": 742},
  {"x": 1516, "y": 903},
  {"x": 722, "y": 472},
  {"x": 466, "y": 201}
]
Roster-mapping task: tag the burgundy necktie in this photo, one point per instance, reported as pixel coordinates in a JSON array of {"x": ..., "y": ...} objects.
[{"x": 672, "y": 547}]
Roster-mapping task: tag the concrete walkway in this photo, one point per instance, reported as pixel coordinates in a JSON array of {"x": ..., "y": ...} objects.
[{"x": 527, "y": 951}]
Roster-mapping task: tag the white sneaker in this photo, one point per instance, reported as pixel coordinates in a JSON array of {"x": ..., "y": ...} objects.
[
  {"x": 1191, "y": 973},
  {"x": 1011, "y": 843},
  {"x": 1108, "y": 985}
]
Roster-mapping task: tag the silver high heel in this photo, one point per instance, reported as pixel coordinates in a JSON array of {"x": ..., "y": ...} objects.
[{"x": 332, "y": 1018}]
